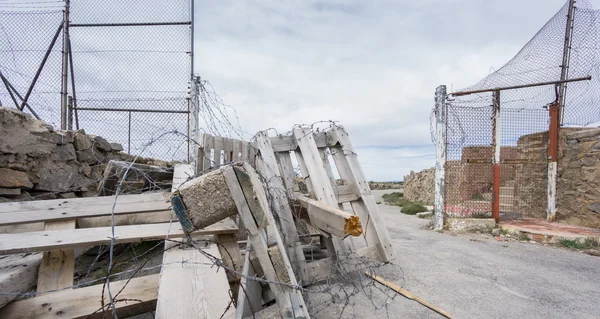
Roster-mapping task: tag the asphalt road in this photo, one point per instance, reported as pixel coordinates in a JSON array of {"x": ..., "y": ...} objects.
[{"x": 471, "y": 276}]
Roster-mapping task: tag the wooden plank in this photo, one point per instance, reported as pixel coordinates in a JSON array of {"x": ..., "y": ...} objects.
[
  {"x": 18, "y": 274},
  {"x": 249, "y": 294},
  {"x": 137, "y": 297},
  {"x": 232, "y": 258},
  {"x": 237, "y": 150},
  {"x": 227, "y": 150},
  {"x": 190, "y": 287},
  {"x": 218, "y": 148},
  {"x": 289, "y": 143},
  {"x": 330, "y": 219},
  {"x": 64, "y": 209},
  {"x": 181, "y": 174},
  {"x": 58, "y": 266},
  {"x": 346, "y": 193},
  {"x": 201, "y": 154},
  {"x": 257, "y": 237},
  {"x": 209, "y": 143},
  {"x": 280, "y": 203},
  {"x": 321, "y": 186},
  {"x": 59, "y": 239},
  {"x": 408, "y": 294},
  {"x": 346, "y": 161},
  {"x": 287, "y": 172}
]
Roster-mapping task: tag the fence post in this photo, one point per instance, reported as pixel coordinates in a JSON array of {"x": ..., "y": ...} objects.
[
  {"x": 65, "y": 68},
  {"x": 553, "y": 157},
  {"x": 70, "y": 115},
  {"x": 496, "y": 160},
  {"x": 129, "y": 135},
  {"x": 440, "y": 160}
]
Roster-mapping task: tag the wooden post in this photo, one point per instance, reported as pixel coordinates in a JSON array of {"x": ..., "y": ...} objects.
[
  {"x": 57, "y": 267},
  {"x": 270, "y": 171},
  {"x": 553, "y": 160},
  {"x": 496, "y": 160},
  {"x": 440, "y": 160}
]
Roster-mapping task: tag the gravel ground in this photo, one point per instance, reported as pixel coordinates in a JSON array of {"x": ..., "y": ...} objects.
[{"x": 472, "y": 276}]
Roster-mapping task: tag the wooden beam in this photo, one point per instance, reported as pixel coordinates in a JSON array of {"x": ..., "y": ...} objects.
[
  {"x": 250, "y": 292},
  {"x": 251, "y": 201},
  {"x": 408, "y": 294},
  {"x": 330, "y": 219},
  {"x": 321, "y": 185},
  {"x": 58, "y": 239},
  {"x": 289, "y": 143},
  {"x": 269, "y": 169},
  {"x": 190, "y": 287},
  {"x": 18, "y": 274},
  {"x": 65, "y": 209},
  {"x": 58, "y": 266},
  {"x": 346, "y": 161},
  {"x": 346, "y": 193},
  {"x": 137, "y": 297}
]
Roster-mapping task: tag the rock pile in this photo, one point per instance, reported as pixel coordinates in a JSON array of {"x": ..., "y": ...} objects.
[
  {"x": 38, "y": 162},
  {"x": 420, "y": 187}
]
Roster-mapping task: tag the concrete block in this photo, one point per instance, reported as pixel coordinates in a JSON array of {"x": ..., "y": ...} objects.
[{"x": 470, "y": 224}]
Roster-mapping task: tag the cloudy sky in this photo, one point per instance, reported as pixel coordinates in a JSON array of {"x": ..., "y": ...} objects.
[{"x": 371, "y": 65}]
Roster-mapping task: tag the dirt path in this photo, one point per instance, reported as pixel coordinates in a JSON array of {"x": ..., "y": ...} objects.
[{"x": 478, "y": 278}]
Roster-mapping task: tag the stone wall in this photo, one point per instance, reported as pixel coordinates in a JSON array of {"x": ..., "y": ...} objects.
[
  {"x": 38, "y": 162},
  {"x": 531, "y": 184},
  {"x": 420, "y": 187},
  {"x": 578, "y": 188}
]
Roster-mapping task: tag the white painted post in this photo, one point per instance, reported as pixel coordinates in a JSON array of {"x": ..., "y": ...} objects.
[{"x": 440, "y": 160}]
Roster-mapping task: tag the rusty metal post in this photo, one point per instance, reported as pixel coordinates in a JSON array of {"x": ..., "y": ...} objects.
[
  {"x": 553, "y": 160},
  {"x": 440, "y": 159},
  {"x": 496, "y": 160}
]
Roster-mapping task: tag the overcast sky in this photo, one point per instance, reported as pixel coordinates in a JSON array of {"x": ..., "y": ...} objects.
[{"x": 371, "y": 65}]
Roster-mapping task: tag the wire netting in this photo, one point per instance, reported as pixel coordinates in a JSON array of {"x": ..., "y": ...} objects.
[
  {"x": 124, "y": 64},
  {"x": 524, "y": 119}
]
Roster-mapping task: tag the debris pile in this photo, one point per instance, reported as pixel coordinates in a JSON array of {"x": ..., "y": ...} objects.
[{"x": 239, "y": 208}]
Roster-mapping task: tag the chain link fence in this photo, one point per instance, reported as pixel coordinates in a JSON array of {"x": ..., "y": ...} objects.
[
  {"x": 519, "y": 146},
  {"x": 134, "y": 55}
]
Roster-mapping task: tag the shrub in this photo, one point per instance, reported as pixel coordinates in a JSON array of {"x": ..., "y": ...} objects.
[
  {"x": 395, "y": 199},
  {"x": 413, "y": 208}
]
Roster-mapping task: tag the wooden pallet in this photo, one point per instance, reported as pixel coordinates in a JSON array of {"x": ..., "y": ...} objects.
[
  {"x": 52, "y": 271},
  {"x": 214, "y": 151},
  {"x": 312, "y": 151}
]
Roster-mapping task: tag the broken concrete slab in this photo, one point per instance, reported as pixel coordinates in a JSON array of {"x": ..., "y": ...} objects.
[{"x": 470, "y": 224}]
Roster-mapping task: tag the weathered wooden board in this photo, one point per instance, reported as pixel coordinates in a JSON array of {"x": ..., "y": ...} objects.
[
  {"x": 280, "y": 203},
  {"x": 139, "y": 296},
  {"x": 58, "y": 266},
  {"x": 249, "y": 294},
  {"x": 64, "y": 209},
  {"x": 49, "y": 240},
  {"x": 18, "y": 274},
  {"x": 346, "y": 161},
  {"x": 331, "y": 219},
  {"x": 190, "y": 287}
]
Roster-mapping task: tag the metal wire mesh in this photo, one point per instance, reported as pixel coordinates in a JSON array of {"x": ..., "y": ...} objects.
[
  {"x": 114, "y": 63},
  {"x": 523, "y": 120},
  {"x": 137, "y": 123}
]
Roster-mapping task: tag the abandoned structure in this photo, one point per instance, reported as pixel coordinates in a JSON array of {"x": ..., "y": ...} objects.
[{"x": 237, "y": 194}]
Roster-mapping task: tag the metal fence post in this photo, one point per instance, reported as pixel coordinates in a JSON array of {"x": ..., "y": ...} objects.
[
  {"x": 553, "y": 157},
  {"x": 440, "y": 160},
  {"x": 70, "y": 114},
  {"x": 129, "y": 134},
  {"x": 65, "y": 68},
  {"x": 496, "y": 160}
]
